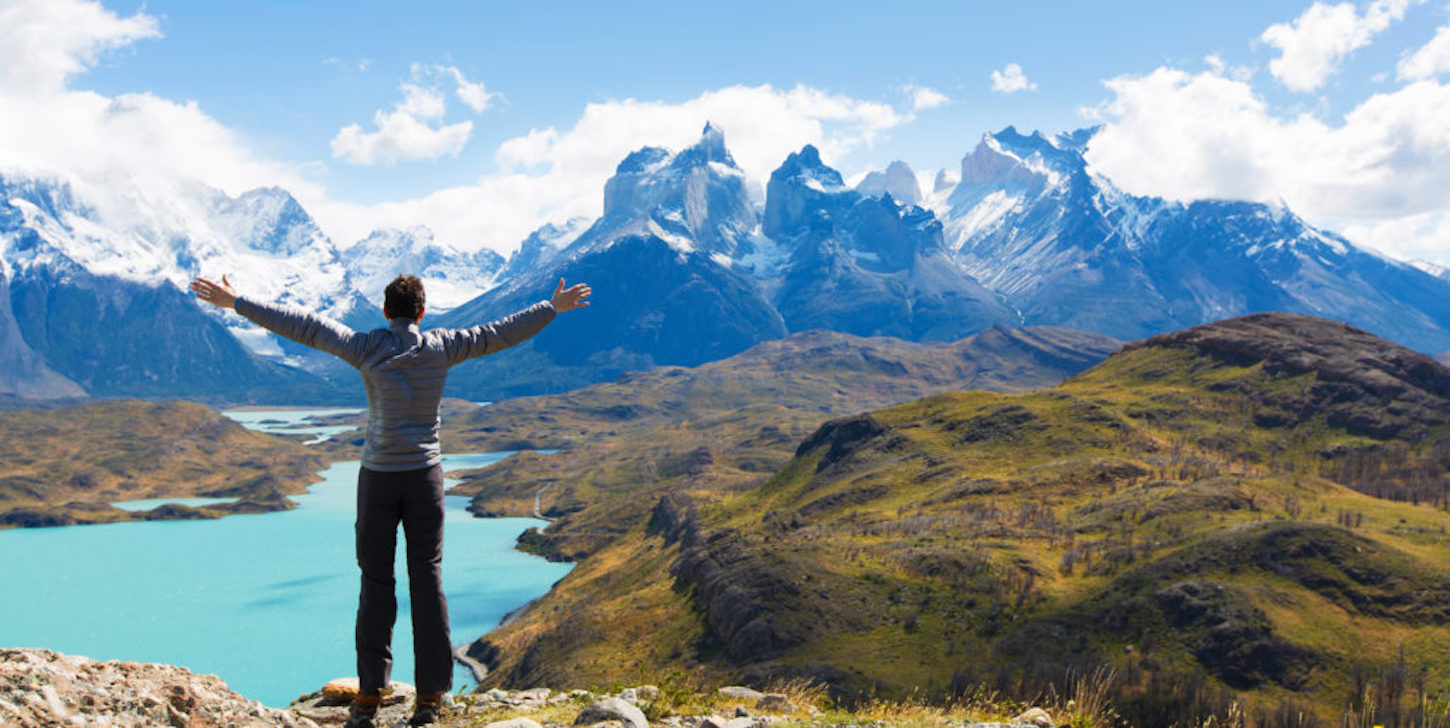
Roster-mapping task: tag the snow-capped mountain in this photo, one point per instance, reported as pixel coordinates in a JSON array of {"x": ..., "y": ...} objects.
[
  {"x": 96, "y": 286},
  {"x": 866, "y": 265},
  {"x": 662, "y": 261},
  {"x": 685, "y": 268},
  {"x": 541, "y": 246},
  {"x": 897, "y": 180},
  {"x": 1063, "y": 246},
  {"x": 453, "y": 276}
]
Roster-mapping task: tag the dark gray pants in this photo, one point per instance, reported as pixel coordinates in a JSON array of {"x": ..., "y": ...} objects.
[{"x": 414, "y": 498}]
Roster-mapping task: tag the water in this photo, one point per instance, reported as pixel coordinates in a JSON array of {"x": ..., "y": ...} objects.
[
  {"x": 294, "y": 422},
  {"x": 265, "y": 601},
  {"x": 147, "y": 504}
]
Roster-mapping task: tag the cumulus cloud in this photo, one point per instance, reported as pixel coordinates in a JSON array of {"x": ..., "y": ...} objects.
[
  {"x": 470, "y": 93},
  {"x": 102, "y": 145},
  {"x": 1011, "y": 80},
  {"x": 1429, "y": 60},
  {"x": 554, "y": 174},
  {"x": 1312, "y": 46},
  {"x": 1187, "y": 136},
  {"x": 925, "y": 97},
  {"x": 414, "y": 129},
  {"x": 45, "y": 42}
]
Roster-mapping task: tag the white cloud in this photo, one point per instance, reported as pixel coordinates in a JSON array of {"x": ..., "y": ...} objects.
[
  {"x": 470, "y": 93},
  {"x": 1312, "y": 46},
  {"x": 1413, "y": 237},
  {"x": 553, "y": 175},
  {"x": 1187, "y": 136},
  {"x": 1429, "y": 60},
  {"x": 44, "y": 42},
  {"x": 1011, "y": 80},
  {"x": 100, "y": 144},
  {"x": 925, "y": 97},
  {"x": 413, "y": 130}
]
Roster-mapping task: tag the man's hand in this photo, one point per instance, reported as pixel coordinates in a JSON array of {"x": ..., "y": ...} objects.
[
  {"x": 222, "y": 295},
  {"x": 570, "y": 298}
]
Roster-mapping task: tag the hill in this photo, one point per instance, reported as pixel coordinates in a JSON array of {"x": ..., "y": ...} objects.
[
  {"x": 1251, "y": 510},
  {"x": 67, "y": 465},
  {"x": 726, "y": 424}
]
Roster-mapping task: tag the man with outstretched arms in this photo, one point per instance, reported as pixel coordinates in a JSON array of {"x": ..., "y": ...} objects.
[{"x": 401, "y": 478}]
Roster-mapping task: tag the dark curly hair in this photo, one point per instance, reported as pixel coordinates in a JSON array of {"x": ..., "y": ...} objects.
[{"x": 403, "y": 298}]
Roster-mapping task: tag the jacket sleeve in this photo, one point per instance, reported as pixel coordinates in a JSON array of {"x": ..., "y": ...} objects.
[
  {"x": 464, "y": 344},
  {"x": 306, "y": 328}
]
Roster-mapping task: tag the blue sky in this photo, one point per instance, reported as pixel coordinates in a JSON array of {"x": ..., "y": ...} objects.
[{"x": 560, "y": 89}]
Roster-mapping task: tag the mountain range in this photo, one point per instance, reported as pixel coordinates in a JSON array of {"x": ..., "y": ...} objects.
[{"x": 686, "y": 267}]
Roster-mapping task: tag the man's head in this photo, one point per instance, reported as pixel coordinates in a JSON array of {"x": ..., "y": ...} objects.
[{"x": 403, "y": 298}]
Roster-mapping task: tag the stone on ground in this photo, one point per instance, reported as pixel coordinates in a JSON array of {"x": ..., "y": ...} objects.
[{"x": 613, "y": 709}]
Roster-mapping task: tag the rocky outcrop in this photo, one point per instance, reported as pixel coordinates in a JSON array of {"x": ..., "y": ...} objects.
[
  {"x": 845, "y": 435},
  {"x": 674, "y": 519},
  {"x": 44, "y": 688},
  {"x": 737, "y": 589}
]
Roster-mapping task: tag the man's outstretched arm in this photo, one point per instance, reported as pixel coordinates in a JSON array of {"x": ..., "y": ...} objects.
[
  {"x": 303, "y": 327},
  {"x": 463, "y": 344}
]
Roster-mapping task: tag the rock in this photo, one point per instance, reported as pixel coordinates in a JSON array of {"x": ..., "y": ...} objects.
[
  {"x": 40, "y": 687},
  {"x": 613, "y": 709},
  {"x": 741, "y": 712},
  {"x": 738, "y": 692},
  {"x": 711, "y": 721},
  {"x": 1035, "y": 716},
  {"x": 53, "y": 702},
  {"x": 629, "y": 694},
  {"x": 514, "y": 723},
  {"x": 775, "y": 703},
  {"x": 649, "y": 692},
  {"x": 341, "y": 690},
  {"x": 746, "y": 723},
  {"x": 537, "y": 694}
]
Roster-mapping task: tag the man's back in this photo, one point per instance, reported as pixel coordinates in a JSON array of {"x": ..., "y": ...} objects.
[{"x": 403, "y": 369}]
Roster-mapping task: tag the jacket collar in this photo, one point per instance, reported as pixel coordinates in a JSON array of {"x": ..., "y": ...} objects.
[{"x": 403, "y": 324}]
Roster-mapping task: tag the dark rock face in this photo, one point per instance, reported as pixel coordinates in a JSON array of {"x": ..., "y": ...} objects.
[
  {"x": 1364, "y": 384},
  {"x": 736, "y": 589},
  {"x": 844, "y": 435},
  {"x": 674, "y": 519}
]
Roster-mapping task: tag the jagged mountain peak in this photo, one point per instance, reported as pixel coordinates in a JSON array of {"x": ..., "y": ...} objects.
[
  {"x": 806, "y": 166},
  {"x": 710, "y": 148},
  {"x": 898, "y": 181}
]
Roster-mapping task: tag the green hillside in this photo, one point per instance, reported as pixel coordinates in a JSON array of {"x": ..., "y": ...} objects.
[
  {"x": 66, "y": 465},
  {"x": 1253, "y": 510}
]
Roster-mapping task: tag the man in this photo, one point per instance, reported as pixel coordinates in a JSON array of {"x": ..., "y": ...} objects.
[{"x": 401, "y": 479}]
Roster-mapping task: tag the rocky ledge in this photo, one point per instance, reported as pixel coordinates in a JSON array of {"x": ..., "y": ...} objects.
[
  {"x": 45, "y": 689},
  {"x": 40, "y": 688}
]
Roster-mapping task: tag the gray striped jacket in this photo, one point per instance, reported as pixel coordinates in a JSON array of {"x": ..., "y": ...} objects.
[{"x": 403, "y": 370}]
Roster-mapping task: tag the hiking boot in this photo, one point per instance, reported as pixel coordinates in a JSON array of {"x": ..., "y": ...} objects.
[
  {"x": 364, "y": 709},
  {"x": 425, "y": 711}
]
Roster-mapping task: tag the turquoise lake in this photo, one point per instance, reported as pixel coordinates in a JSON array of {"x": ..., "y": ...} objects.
[{"x": 265, "y": 601}]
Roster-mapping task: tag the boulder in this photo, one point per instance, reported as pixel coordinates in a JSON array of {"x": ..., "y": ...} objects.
[
  {"x": 341, "y": 690},
  {"x": 514, "y": 723},
  {"x": 775, "y": 703},
  {"x": 738, "y": 692},
  {"x": 613, "y": 709},
  {"x": 1036, "y": 717}
]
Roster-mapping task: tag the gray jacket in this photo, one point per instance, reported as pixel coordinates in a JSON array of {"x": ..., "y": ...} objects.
[{"x": 402, "y": 368}]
